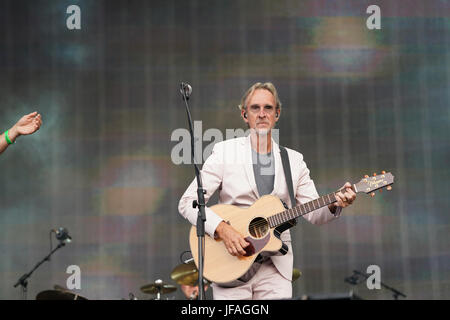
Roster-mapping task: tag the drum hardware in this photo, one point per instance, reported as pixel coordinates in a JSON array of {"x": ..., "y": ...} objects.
[
  {"x": 185, "y": 274},
  {"x": 63, "y": 236},
  {"x": 131, "y": 296},
  {"x": 59, "y": 293},
  {"x": 158, "y": 288},
  {"x": 296, "y": 274}
]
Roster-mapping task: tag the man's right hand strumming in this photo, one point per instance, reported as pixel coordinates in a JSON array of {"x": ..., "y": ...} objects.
[{"x": 233, "y": 240}]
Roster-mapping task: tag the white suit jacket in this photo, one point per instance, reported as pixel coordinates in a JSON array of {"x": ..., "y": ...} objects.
[{"x": 230, "y": 168}]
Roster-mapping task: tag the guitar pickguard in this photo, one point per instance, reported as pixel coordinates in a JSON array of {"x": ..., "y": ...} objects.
[{"x": 255, "y": 245}]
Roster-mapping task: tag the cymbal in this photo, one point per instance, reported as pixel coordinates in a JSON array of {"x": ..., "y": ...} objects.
[
  {"x": 158, "y": 287},
  {"x": 185, "y": 273},
  {"x": 296, "y": 274},
  {"x": 60, "y": 288},
  {"x": 58, "y": 295}
]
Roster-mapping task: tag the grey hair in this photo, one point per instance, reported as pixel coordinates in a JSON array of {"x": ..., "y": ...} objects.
[{"x": 267, "y": 86}]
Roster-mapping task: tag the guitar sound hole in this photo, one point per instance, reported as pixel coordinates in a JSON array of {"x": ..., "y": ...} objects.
[{"x": 258, "y": 227}]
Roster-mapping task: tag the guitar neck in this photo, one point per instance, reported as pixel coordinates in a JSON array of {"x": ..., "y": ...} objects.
[
  {"x": 300, "y": 210},
  {"x": 366, "y": 185}
]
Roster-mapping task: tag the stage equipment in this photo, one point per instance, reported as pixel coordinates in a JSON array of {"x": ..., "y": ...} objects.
[
  {"x": 158, "y": 288},
  {"x": 185, "y": 274},
  {"x": 59, "y": 293},
  {"x": 296, "y": 274},
  {"x": 332, "y": 296},
  {"x": 63, "y": 236},
  {"x": 186, "y": 91},
  {"x": 356, "y": 278}
]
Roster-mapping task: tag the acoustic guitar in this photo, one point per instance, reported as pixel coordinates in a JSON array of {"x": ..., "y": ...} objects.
[{"x": 261, "y": 225}]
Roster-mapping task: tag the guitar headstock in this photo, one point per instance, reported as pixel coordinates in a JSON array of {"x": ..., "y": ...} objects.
[{"x": 377, "y": 182}]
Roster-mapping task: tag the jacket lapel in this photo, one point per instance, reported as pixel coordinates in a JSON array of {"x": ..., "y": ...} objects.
[
  {"x": 249, "y": 166},
  {"x": 279, "y": 173}
]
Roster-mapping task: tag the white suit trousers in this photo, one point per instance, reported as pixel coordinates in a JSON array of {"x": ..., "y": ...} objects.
[{"x": 266, "y": 284}]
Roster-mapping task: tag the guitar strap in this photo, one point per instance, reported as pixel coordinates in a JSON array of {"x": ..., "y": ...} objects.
[{"x": 288, "y": 176}]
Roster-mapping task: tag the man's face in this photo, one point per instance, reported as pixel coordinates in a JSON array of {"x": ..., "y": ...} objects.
[{"x": 261, "y": 111}]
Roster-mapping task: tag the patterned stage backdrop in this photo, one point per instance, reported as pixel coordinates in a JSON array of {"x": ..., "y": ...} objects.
[{"x": 355, "y": 101}]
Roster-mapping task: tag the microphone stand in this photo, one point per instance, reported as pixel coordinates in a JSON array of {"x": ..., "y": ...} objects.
[
  {"x": 23, "y": 280},
  {"x": 200, "y": 203},
  {"x": 354, "y": 280}
]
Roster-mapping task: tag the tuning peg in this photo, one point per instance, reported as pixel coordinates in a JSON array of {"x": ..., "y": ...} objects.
[
  {"x": 372, "y": 194},
  {"x": 388, "y": 188},
  {"x": 374, "y": 174},
  {"x": 383, "y": 172},
  {"x": 366, "y": 176}
]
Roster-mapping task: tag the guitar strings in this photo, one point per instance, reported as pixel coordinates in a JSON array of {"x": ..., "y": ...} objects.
[
  {"x": 263, "y": 223},
  {"x": 259, "y": 224}
]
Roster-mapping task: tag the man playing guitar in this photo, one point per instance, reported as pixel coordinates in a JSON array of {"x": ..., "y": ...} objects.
[{"x": 245, "y": 169}]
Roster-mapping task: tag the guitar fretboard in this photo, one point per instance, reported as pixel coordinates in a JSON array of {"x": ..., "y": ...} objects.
[{"x": 300, "y": 210}]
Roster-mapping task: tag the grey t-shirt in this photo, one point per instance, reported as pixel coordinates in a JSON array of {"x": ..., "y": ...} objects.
[{"x": 264, "y": 172}]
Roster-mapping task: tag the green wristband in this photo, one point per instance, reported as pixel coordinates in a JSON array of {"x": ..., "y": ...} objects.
[{"x": 7, "y": 137}]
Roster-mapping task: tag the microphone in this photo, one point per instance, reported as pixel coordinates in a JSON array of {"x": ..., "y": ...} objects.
[
  {"x": 352, "y": 280},
  {"x": 360, "y": 273},
  {"x": 132, "y": 296},
  {"x": 355, "y": 277},
  {"x": 186, "y": 90},
  {"x": 63, "y": 235}
]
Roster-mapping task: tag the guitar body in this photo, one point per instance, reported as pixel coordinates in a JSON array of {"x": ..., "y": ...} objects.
[{"x": 219, "y": 265}]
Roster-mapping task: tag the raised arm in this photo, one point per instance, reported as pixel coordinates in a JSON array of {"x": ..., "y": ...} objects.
[{"x": 26, "y": 125}]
